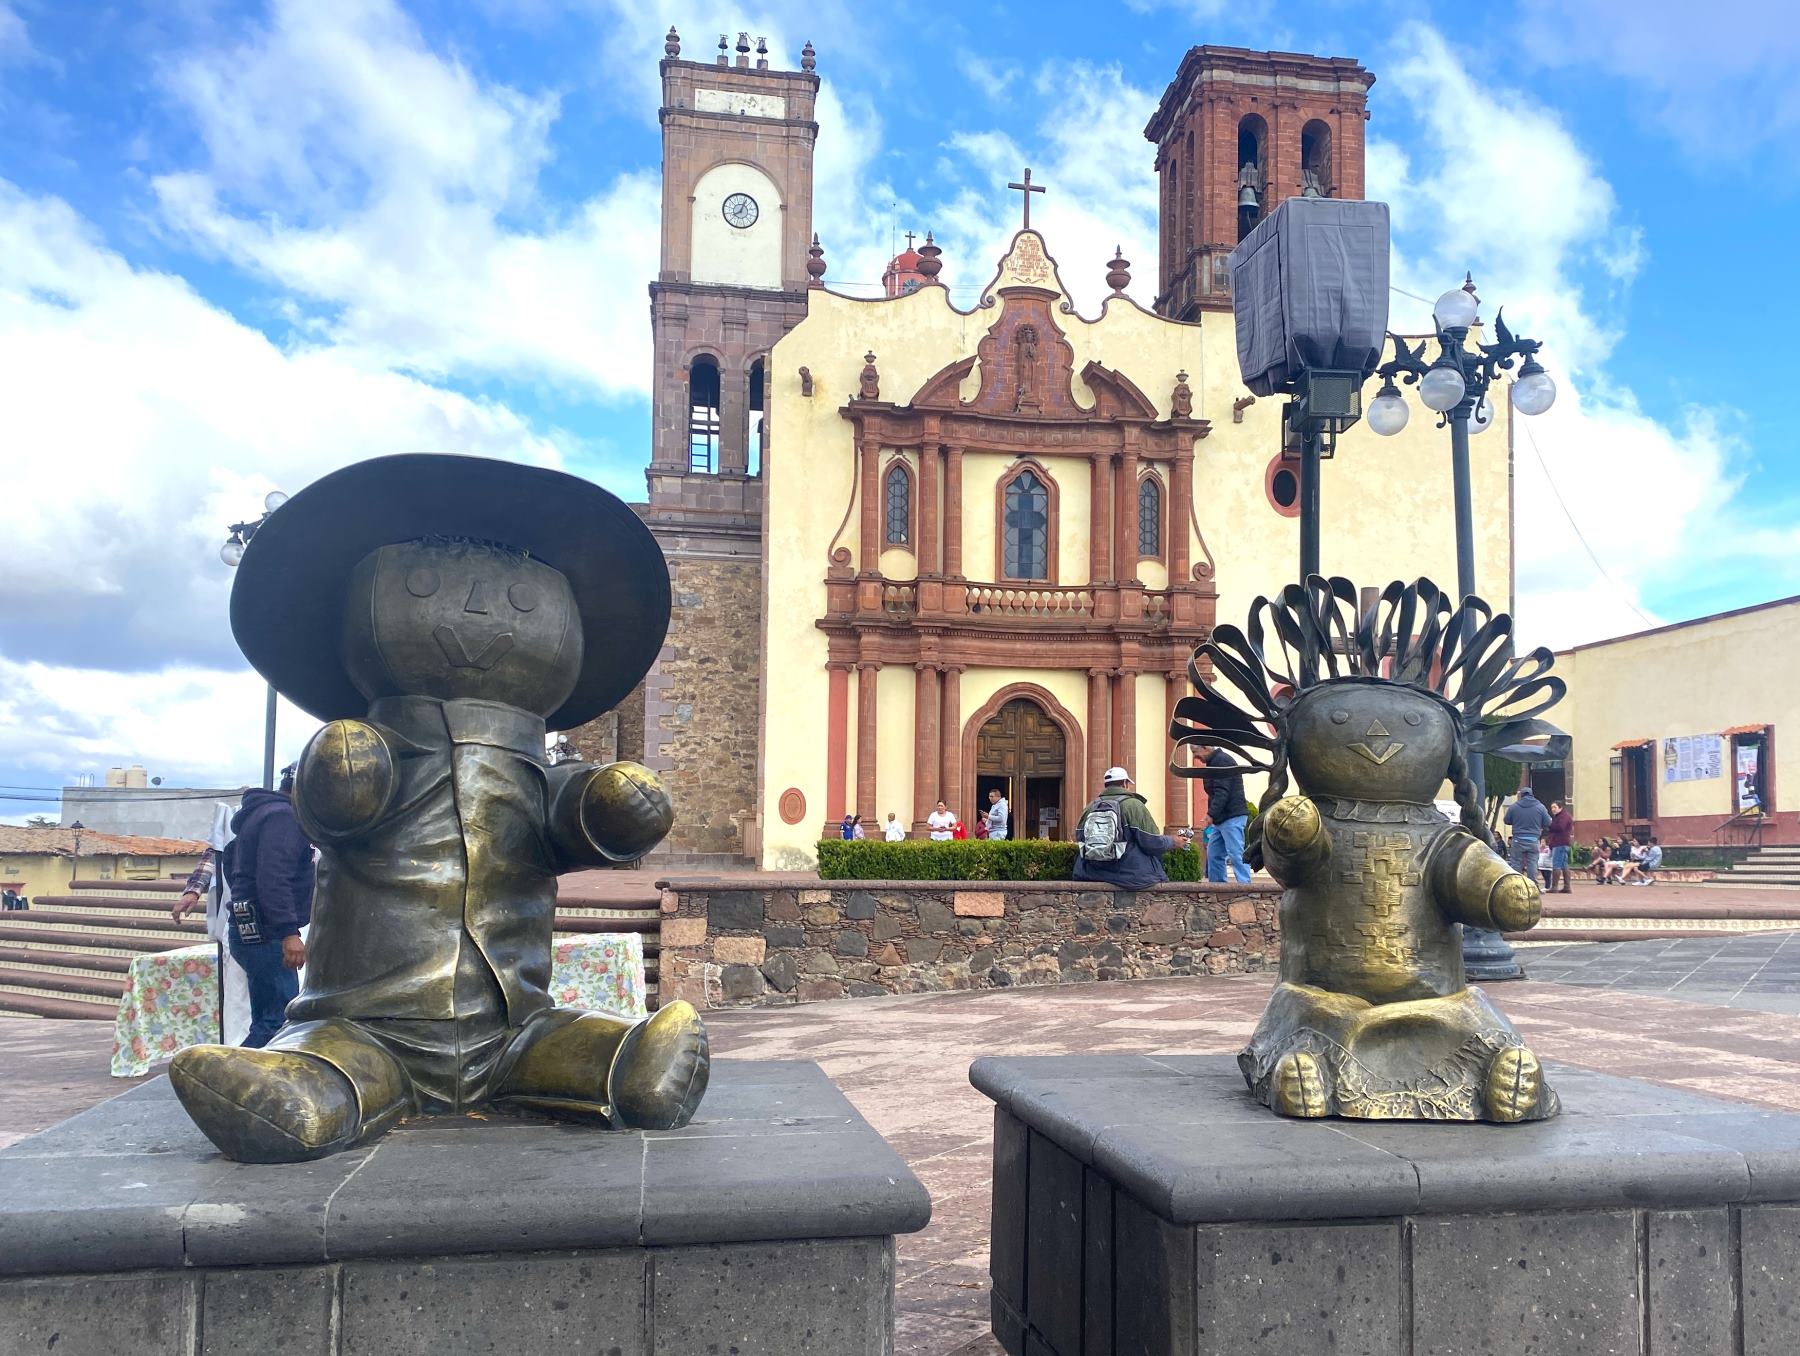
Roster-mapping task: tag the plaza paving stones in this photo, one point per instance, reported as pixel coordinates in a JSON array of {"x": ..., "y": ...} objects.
[{"x": 1715, "y": 1014}]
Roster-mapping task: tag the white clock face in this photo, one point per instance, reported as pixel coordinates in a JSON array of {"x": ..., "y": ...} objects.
[{"x": 741, "y": 211}]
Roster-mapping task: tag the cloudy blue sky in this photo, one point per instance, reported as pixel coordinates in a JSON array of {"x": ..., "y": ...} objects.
[{"x": 243, "y": 243}]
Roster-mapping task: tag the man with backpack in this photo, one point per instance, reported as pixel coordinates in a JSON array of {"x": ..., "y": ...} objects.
[
  {"x": 1116, "y": 839},
  {"x": 269, "y": 866}
]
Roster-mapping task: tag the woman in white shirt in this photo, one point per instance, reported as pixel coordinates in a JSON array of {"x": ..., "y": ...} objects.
[{"x": 941, "y": 822}]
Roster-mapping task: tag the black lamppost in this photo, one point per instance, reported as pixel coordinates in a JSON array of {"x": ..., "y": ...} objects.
[
  {"x": 1455, "y": 385},
  {"x": 232, "y": 553}
]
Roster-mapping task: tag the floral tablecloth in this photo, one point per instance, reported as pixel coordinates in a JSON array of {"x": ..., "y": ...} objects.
[{"x": 171, "y": 999}]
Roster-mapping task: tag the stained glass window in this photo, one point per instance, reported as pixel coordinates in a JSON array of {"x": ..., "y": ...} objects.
[
  {"x": 1150, "y": 517},
  {"x": 1027, "y": 528},
  {"x": 899, "y": 506}
]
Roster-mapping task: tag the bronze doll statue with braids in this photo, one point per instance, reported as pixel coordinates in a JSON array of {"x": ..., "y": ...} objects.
[{"x": 1367, "y": 717}]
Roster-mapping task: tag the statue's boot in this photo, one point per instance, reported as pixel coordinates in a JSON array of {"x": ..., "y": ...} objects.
[
  {"x": 315, "y": 1089},
  {"x": 1299, "y": 1087},
  {"x": 647, "y": 1075}
]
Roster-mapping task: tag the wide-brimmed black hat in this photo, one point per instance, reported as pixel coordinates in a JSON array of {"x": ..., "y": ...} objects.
[{"x": 287, "y": 605}]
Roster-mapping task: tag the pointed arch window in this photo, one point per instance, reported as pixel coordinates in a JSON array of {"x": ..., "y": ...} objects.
[
  {"x": 1150, "y": 518},
  {"x": 1027, "y": 528},
  {"x": 897, "y": 505}
]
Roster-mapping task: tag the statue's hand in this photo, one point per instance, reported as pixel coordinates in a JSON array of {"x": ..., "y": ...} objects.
[
  {"x": 1516, "y": 903},
  {"x": 1291, "y": 825},
  {"x": 346, "y": 780},
  {"x": 625, "y": 810}
]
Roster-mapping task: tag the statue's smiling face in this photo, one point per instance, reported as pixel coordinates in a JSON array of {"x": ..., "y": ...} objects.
[
  {"x": 461, "y": 619},
  {"x": 1370, "y": 741}
]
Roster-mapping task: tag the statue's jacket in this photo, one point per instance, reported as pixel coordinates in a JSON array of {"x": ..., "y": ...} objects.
[{"x": 442, "y": 909}]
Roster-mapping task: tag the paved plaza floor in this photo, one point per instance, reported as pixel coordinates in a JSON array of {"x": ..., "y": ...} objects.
[{"x": 1718, "y": 1015}]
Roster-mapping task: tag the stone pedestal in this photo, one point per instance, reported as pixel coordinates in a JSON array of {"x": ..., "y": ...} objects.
[
  {"x": 1145, "y": 1206},
  {"x": 765, "y": 1226}
]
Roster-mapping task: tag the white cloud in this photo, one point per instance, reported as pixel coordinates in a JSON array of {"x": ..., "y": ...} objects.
[
  {"x": 15, "y": 42},
  {"x": 1099, "y": 196},
  {"x": 139, "y": 420},
  {"x": 396, "y": 194},
  {"x": 191, "y": 726},
  {"x": 1720, "y": 80},
  {"x": 1496, "y": 183}
]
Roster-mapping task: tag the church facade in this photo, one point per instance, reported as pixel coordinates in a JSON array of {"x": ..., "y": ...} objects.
[{"x": 922, "y": 552}]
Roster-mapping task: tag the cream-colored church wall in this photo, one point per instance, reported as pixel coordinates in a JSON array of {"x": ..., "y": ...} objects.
[
  {"x": 723, "y": 253},
  {"x": 1697, "y": 679},
  {"x": 895, "y": 706},
  {"x": 1386, "y": 515}
]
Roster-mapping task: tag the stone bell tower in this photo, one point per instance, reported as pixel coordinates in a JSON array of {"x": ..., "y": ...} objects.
[
  {"x": 1237, "y": 133},
  {"x": 738, "y": 141}
]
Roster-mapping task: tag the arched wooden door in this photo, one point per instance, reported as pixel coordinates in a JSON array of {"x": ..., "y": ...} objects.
[{"x": 1021, "y": 752}]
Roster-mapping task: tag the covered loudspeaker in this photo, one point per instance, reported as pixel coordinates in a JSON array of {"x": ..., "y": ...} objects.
[{"x": 1309, "y": 287}]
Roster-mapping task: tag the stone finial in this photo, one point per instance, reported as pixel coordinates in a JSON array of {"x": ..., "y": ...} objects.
[
  {"x": 808, "y": 57},
  {"x": 1118, "y": 272},
  {"x": 672, "y": 43},
  {"x": 806, "y": 381},
  {"x": 1181, "y": 399},
  {"x": 815, "y": 263},
  {"x": 724, "y": 49},
  {"x": 931, "y": 262},
  {"x": 869, "y": 384},
  {"x": 743, "y": 50},
  {"x": 762, "y": 54}
]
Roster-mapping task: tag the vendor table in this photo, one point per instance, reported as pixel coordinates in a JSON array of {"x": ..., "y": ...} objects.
[{"x": 171, "y": 998}]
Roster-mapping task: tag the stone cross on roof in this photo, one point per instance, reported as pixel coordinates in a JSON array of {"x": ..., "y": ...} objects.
[{"x": 1026, "y": 189}]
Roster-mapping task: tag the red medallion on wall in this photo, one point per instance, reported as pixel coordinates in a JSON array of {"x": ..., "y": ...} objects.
[{"x": 793, "y": 806}]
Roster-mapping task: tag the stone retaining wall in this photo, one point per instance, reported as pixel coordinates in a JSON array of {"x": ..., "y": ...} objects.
[{"x": 746, "y": 941}]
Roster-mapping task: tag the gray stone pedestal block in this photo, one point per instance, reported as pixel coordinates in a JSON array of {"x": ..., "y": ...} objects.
[
  {"x": 1145, "y": 1206},
  {"x": 766, "y": 1226}
]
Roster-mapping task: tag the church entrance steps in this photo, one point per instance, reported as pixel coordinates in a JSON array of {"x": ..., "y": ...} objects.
[
  {"x": 1632, "y": 913},
  {"x": 68, "y": 955},
  {"x": 1769, "y": 868}
]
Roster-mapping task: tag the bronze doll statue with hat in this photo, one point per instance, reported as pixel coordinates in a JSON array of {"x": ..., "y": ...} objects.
[
  {"x": 1371, "y": 715},
  {"x": 440, "y": 614}
]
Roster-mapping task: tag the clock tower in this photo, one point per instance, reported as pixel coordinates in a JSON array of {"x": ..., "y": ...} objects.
[
  {"x": 736, "y": 223},
  {"x": 736, "y": 226}
]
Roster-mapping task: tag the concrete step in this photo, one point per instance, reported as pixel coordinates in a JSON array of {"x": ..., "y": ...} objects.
[
  {"x": 41, "y": 1005},
  {"x": 156, "y": 888},
  {"x": 118, "y": 942},
  {"x": 166, "y": 932},
  {"x": 75, "y": 962},
  {"x": 101, "y": 1007},
  {"x": 62, "y": 984}
]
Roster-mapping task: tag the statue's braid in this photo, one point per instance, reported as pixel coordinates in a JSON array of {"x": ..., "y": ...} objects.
[{"x": 1472, "y": 818}]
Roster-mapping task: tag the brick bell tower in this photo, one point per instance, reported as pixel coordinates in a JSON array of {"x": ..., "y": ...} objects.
[
  {"x": 736, "y": 226},
  {"x": 1237, "y": 133}
]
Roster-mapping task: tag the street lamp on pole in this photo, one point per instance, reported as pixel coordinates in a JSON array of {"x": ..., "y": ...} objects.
[
  {"x": 232, "y": 553},
  {"x": 1455, "y": 386}
]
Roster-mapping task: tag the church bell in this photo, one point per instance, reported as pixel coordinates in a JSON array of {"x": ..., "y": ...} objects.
[{"x": 1247, "y": 197}]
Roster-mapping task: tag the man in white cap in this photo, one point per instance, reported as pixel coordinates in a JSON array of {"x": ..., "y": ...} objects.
[{"x": 1117, "y": 841}]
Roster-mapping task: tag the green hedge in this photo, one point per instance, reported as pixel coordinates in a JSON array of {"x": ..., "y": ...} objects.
[{"x": 972, "y": 859}]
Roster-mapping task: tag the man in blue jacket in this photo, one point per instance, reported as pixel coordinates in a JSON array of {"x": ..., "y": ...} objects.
[{"x": 270, "y": 868}]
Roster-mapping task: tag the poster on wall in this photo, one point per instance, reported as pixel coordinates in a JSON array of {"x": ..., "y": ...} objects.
[
  {"x": 1749, "y": 757},
  {"x": 1693, "y": 758}
]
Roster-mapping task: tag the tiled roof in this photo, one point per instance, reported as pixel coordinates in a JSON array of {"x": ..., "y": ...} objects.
[{"x": 25, "y": 842}]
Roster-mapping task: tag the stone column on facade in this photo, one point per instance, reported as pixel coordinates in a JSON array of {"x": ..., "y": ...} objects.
[
  {"x": 866, "y": 673},
  {"x": 1124, "y": 722},
  {"x": 925, "y": 745},
  {"x": 1106, "y": 598},
  {"x": 734, "y": 409},
  {"x": 869, "y": 451},
  {"x": 1099, "y": 729},
  {"x": 950, "y": 734},
  {"x": 1125, "y": 537},
  {"x": 1174, "y": 788},
  {"x": 1181, "y": 490},
  {"x": 955, "y": 598},
  {"x": 837, "y": 740},
  {"x": 928, "y": 557}
]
